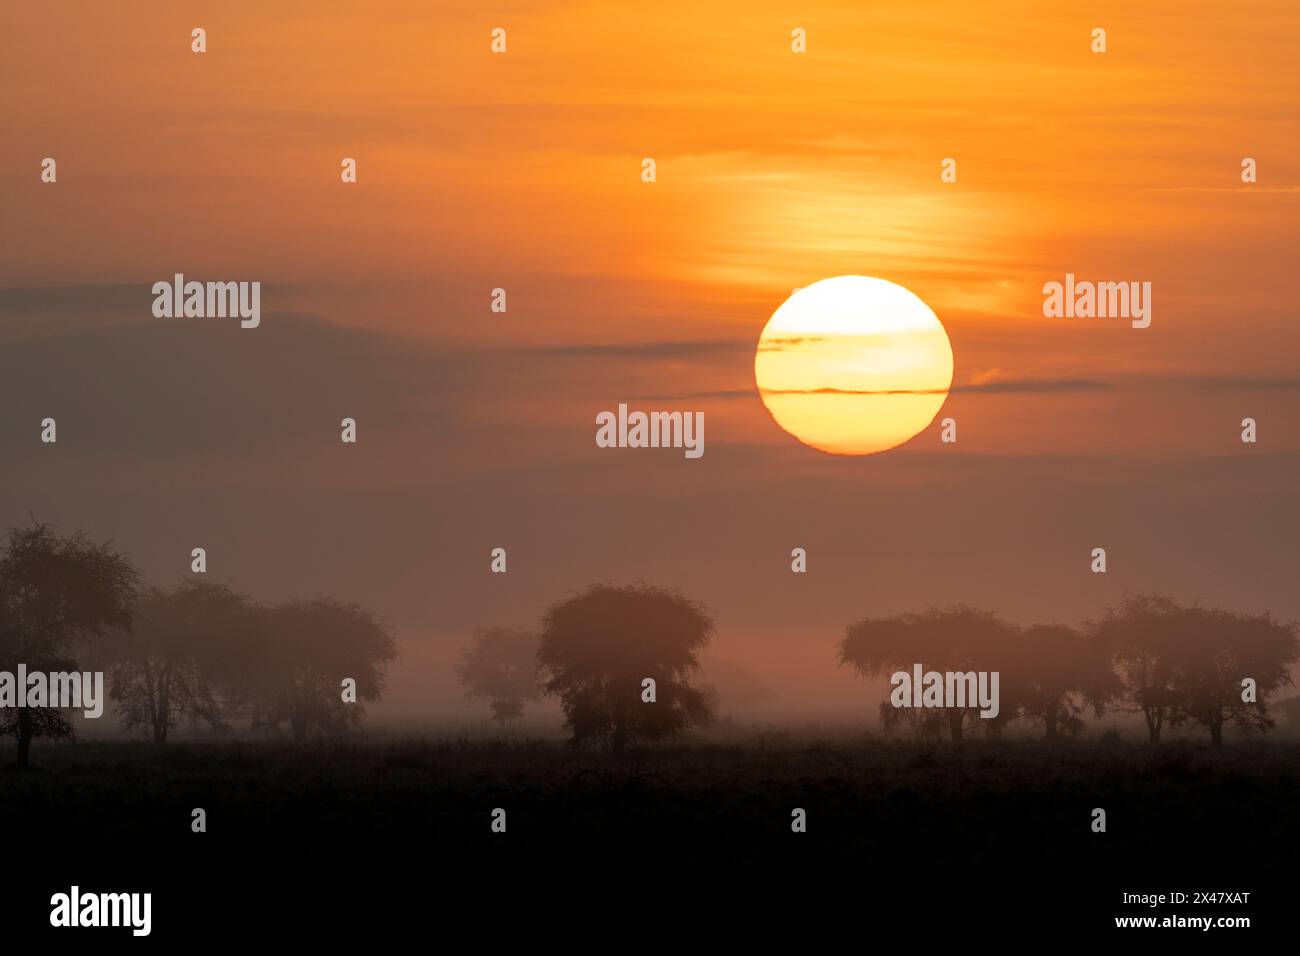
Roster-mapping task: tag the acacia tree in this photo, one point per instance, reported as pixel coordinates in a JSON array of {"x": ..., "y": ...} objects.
[
  {"x": 167, "y": 669},
  {"x": 958, "y": 638},
  {"x": 1218, "y": 650},
  {"x": 1142, "y": 637},
  {"x": 1058, "y": 671},
  {"x": 308, "y": 649},
  {"x": 597, "y": 647},
  {"x": 57, "y": 594},
  {"x": 501, "y": 665}
]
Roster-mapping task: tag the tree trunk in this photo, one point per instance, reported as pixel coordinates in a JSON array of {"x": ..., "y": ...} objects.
[
  {"x": 1153, "y": 727},
  {"x": 25, "y": 734},
  {"x": 164, "y": 708},
  {"x": 1216, "y": 733},
  {"x": 955, "y": 719}
]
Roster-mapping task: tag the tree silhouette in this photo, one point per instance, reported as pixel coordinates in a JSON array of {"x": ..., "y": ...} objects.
[
  {"x": 307, "y": 650},
  {"x": 1056, "y": 671},
  {"x": 1142, "y": 637},
  {"x": 167, "y": 669},
  {"x": 598, "y": 646},
  {"x": 1181, "y": 663},
  {"x": 958, "y": 638},
  {"x": 1218, "y": 649},
  {"x": 501, "y": 665},
  {"x": 56, "y": 593}
]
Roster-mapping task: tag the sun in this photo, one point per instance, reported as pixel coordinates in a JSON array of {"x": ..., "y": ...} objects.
[{"x": 853, "y": 365}]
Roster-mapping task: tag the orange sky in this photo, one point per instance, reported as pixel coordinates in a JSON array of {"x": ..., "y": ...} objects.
[{"x": 774, "y": 170}]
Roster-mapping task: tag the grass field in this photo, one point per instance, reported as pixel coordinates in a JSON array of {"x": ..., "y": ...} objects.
[
  {"x": 997, "y": 834},
  {"x": 864, "y": 797}
]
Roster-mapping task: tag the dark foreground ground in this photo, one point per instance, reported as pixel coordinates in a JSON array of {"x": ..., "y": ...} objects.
[{"x": 366, "y": 840}]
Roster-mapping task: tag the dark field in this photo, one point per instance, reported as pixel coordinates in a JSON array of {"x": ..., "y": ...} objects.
[
  {"x": 1006, "y": 824},
  {"x": 865, "y": 795}
]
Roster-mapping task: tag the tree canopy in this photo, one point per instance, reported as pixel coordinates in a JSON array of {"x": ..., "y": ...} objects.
[
  {"x": 57, "y": 595},
  {"x": 501, "y": 665},
  {"x": 176, "y": 661},
  {"x": 1179, "y": 663},
  {"x": 598, "y": 647},
  {"x": 309, "y": 647},
  {"x": 958, "y": 638}
]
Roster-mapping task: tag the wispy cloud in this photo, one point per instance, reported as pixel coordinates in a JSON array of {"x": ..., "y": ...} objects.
[
  {"x": 644, "y": 350},
  {"x": 1013, "y": 385}
]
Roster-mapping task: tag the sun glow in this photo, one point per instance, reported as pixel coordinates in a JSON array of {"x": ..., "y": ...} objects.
[{"x": 853, "y": 365}]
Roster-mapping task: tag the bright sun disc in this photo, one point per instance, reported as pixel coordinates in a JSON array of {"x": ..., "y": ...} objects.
[{"x": 853, "y": 365}]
